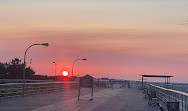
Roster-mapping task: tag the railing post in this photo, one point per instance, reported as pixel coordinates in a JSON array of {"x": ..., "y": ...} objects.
[
  {"x": 185, "y": 102},
  {"x": 142, "y": 82},
  {"x": 182, "y": 101}
]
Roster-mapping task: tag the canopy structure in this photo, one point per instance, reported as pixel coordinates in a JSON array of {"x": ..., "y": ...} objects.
[{"x": 167, "y": 78}]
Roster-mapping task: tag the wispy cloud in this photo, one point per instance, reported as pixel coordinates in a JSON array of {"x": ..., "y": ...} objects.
[{"x": 184, "y": 23}]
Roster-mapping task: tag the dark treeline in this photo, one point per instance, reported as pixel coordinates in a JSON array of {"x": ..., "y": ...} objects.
[{"x": 14, "y": 70}]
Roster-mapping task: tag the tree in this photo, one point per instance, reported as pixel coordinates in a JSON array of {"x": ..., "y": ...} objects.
[
  {"x": 14, "y": 70},
  {"x": 3, "y": 70},
  {"x": 29, "y": 73}
]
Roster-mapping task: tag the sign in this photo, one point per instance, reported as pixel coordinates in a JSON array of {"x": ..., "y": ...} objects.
[{"x": 86, "y": 81}]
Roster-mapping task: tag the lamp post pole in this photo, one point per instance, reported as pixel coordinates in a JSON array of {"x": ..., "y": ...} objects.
[
  {"x": 44, "y": 44},
  {"x": 55, "y": 69},
  {"x": 73, "y": 66}
]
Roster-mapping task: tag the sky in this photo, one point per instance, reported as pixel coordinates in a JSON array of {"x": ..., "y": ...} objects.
[{"x": 120, "y": 39}]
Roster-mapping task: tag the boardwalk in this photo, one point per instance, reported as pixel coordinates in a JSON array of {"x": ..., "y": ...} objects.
[
  {"x": 127, "y": 100},
  {"x": 104, "y": 100}
]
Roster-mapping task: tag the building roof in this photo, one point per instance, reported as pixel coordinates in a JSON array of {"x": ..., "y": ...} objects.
[{"x": 164, "y": 76}]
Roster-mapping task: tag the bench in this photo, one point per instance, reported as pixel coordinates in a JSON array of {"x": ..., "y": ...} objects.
[{"x": 153, "y": 98}]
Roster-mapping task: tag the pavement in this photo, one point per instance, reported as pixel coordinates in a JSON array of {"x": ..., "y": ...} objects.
[
  {"x": 127, "y": 100},
  {"x": 119, "y": 99}
]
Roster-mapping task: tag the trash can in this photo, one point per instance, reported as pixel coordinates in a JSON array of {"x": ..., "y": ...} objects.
[{"x": 172, "y": 106}]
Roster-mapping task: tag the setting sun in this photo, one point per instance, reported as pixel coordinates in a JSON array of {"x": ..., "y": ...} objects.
[{"x": 65, "y": 73}]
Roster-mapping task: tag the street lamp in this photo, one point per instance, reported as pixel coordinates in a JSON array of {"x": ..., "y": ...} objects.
[
  {"x": 43, "y": 44},
  {"x": 55, "y": 69},
  {"x": 74, "y": 63}
]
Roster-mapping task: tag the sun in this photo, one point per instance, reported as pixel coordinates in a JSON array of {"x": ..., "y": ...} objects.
[{"x": 65, "y": 73}]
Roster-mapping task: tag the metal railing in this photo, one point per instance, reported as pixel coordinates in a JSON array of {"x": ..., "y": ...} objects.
[
  {"x": 15, "y": 89},
  {"x": 170, "y": 95}
]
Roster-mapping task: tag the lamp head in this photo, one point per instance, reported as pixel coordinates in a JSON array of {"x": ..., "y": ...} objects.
[
  {"x": 84, "y": 59},
  {"x": 45, "y": 44}
]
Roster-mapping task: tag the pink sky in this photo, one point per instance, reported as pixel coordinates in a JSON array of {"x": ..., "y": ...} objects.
[{"x": 121, "y": 39}]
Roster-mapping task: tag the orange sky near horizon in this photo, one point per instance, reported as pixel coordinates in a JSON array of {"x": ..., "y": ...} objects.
[{"x": 120, "y": 39}]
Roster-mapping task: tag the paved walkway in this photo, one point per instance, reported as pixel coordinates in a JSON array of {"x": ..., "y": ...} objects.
[
  {"x": 127, "y": 100},
  {"x": 83, "y": 105},
  {"x": 104, "y": 100},
  {"x": 39, "y": 100}
]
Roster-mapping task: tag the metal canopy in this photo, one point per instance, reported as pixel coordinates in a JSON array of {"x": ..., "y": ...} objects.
[
  {"x": 167, "y": 78},
  {"x": 157, "y": 76}
]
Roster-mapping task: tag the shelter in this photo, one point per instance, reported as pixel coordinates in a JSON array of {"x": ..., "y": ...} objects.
[{"x": 167, "y": 78}]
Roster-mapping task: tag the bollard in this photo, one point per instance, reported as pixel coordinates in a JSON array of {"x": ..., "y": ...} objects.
[{"x": 128, "y": 85}]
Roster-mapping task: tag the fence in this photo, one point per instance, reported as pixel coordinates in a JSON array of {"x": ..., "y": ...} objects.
[
  {"x": 15, "y": 89},
  {"x": 170, "y": 95}
]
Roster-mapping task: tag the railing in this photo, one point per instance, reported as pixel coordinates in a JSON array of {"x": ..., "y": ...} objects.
[
  {"x": 170, "y": 95},
  {"x": 5, "y": 81},
  {"x": 15, "y": 89}
]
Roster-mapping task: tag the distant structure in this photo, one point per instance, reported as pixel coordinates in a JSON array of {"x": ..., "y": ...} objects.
[{"x": 103, "y": 82}]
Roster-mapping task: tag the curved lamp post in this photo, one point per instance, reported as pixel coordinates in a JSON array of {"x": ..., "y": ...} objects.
[
  {"x": 43, "y": 44},
  {"x": 74, "y": 63},
  {"x": 55, "y": 69}
]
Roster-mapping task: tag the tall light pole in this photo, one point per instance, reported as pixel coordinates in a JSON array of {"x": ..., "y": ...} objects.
[
  {"x": 55, "y": 69},
  {"x": 73, "y": 65},
  {"x": 43, "y": 44}
]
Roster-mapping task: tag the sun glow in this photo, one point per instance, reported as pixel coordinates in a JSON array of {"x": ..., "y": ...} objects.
[{"x": 65, "y": 73}]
